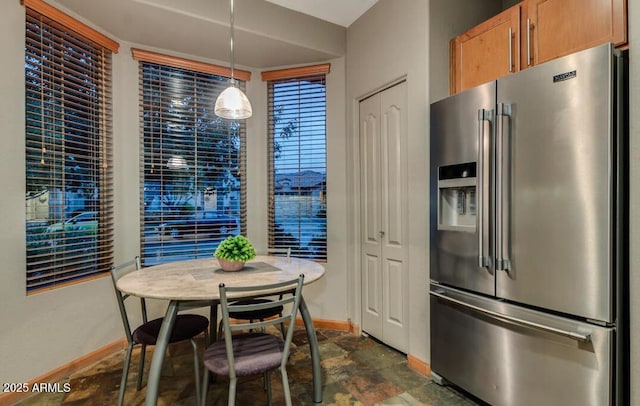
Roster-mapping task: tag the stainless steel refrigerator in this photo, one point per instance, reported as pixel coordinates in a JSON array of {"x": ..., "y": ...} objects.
[{"x": 528, "y": 239}]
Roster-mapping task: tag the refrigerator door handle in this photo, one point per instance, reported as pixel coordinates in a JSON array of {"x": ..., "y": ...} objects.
[
  {"x": 585, "y": 338},
  {"x": 481, "y": 200},
  {"x": 503, "y": 263}
]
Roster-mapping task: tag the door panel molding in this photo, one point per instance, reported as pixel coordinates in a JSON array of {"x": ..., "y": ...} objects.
[{"x": 383, "y": 191}]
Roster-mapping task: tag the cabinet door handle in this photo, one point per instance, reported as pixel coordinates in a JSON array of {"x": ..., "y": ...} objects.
[
  {"x": 528, "y": 42},
  {"x": 510, "y": 50}
]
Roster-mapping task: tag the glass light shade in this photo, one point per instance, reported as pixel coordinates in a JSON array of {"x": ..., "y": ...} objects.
[
  {"x": 177, "y": 162},
  {"x": 233, "y": 104}
]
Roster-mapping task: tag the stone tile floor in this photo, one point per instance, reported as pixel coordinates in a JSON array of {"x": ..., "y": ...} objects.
[{"x": 357, "y": 370}]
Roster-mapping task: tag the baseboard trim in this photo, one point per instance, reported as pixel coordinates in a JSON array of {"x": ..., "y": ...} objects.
[
  {"x": 418, "y": 365},
  {"x": 65, "y": 370},
  {"x": 328, "y": 324},
  {"x": 354, "y": 328}
]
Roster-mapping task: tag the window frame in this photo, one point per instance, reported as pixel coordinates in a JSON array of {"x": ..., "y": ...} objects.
[
  {"x": 199, "y": 83},
  {"x": 304, "y": 181},
  {"x": 67, "y": 105}
]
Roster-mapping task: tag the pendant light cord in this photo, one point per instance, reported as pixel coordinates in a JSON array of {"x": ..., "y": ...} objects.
[
  {"x": 231, "y": 47},
  {"x": 232, "y": 103}
]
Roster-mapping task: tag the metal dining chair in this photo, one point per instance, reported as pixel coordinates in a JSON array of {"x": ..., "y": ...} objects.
[
  {"x": 255, "y": 352},
  {"x": 261, "y": 314},
  {"x": 186, "y": 327}
]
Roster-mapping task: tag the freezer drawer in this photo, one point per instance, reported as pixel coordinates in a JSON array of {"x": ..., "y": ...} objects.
[{"x": 507, "y": 355}]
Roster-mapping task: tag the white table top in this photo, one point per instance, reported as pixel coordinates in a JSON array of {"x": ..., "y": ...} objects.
[{"x": 198, "y": 279}]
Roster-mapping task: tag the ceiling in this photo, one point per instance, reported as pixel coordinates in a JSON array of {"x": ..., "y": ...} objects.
[
  {"x": 267, "y": 34},
  {"x": 341, "y": 12}
]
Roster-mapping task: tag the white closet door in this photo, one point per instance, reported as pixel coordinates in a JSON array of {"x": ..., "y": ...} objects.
[
  {"x": 371, "y": 195},
  {"x": 383, "y": 140}
]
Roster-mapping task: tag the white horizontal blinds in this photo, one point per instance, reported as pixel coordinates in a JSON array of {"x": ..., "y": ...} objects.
[
  {"x": 297, "y": 165},
  {"x": 69, "y": 183},
  {"x": 192, "y": 165}
]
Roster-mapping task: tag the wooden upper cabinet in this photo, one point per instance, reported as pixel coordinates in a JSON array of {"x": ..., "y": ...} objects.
[
  {"x": 487, "y": 51},
  {"x": 540, "y": 30},
  {"x": 554, "y": 28}
]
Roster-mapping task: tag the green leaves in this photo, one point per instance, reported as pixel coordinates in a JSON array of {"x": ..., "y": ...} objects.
[{"x": 235, "y": 248}]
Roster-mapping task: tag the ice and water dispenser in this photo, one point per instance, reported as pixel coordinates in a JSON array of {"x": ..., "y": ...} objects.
[{"x": 457, "y": 197}]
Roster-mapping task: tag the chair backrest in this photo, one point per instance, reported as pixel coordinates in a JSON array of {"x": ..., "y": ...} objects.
[
  {"x": 117, "y": 272},
  {"x": 291, "y": 293}
]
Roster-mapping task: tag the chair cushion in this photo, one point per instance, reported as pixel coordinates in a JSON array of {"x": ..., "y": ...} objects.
[
  {"x": 254, "y": 353},
  {"x": 185, "y": 327},
  {"x": 255, "y": 314}
]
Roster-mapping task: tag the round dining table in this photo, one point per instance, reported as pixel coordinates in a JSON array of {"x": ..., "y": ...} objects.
[{"x": 195, "y": 283}]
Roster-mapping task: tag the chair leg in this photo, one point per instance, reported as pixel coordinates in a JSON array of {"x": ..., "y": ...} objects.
[
  {"x": 219, "y": 337},
  {"x": 196, "y": 368},
  {"x": 284, "y": 333},
  {"x": 265, "y": 378},
  {"x": 125, "y": 374},
  {"x": 285, "y": 386},
  {"x": 205, "y": 387},
  {"x": 267, "y": 382},
  {"x": 232, "y": 391},
  {"x": 143, "y": 353}
]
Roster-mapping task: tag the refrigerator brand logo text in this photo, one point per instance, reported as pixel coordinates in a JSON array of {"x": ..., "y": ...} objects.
[{"x": 564, "y": 76}]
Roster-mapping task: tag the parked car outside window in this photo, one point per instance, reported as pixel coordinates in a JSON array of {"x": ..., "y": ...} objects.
[
  {"x": 213, "y": 226},
  {"x": 86, "y": 221}
]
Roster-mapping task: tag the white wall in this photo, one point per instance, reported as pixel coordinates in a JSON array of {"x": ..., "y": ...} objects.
[{"x": 44, "y": 331}]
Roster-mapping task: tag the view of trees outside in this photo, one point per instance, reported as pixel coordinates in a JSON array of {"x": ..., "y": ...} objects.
[
  {"x": 298, "y": 117},
  {"x": 193, "y": 165}
]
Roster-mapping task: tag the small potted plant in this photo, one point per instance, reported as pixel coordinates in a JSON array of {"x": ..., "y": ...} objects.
[{"x": 233, "y": 252}]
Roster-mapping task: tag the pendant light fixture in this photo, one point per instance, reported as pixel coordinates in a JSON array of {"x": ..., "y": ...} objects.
[
  {"x": 176, "y": 162},
  {"x": 232, "y": 103}
]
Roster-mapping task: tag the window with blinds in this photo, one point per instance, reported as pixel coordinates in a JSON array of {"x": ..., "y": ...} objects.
[
  {"x": 69, "y": 184},
  {"x": 192, "y": 165},
  {"x": 297, "y": 161}
]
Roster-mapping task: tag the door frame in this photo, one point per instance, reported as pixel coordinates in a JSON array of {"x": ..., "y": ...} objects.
[{"x": 355, "y": 278}]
